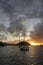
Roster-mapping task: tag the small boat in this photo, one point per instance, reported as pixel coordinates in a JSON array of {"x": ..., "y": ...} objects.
[
  {"x": 24, "y": 48},
  {"x": 23, "y": 45}
]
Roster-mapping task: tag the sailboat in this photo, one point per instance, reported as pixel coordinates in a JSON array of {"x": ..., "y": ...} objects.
[{"x": 23, "y": 45}]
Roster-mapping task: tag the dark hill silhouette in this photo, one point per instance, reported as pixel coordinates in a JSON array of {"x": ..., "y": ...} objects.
[
  {"x": 23, "y": 43},
  {"x": 3, "y": 44}
]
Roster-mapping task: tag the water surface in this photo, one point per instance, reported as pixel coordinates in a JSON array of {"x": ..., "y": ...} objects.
[{"x": 11, "y": 55}]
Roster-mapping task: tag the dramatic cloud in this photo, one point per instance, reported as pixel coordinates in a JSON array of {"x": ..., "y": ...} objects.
[
  {"x": 37, "y": 34},
  {"x": 15, "y": 26},
  {"x": 14, "y": 11},
  {"x": 4, "y": 19},
  {"x": 31, "y": 8},
  {"x": 2, "y": 27},
  {"x": 27, "y": 8}
]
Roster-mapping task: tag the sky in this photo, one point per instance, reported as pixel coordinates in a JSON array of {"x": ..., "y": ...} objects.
[{"x": 15, "y": 15}]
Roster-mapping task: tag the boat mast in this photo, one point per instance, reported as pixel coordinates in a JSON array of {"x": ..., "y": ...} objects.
[{"x": 24, "y": 33}]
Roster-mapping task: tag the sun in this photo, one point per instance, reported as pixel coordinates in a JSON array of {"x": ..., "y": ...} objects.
[{"x": 34, "y": 43}]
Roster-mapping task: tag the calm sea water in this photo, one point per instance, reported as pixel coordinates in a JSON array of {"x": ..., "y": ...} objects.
[{"x": 11, "y": 55}]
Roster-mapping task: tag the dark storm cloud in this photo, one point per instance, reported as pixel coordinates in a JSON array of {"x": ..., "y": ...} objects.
[
  {"x": 31, "y": 8},
  {"x": 4, "y": 19},
  {"x": 37, "y": 34},
  {"x": 15, "y": 26},
  {"x": 2, "y": 27},
  {"x": 13, "y": 8}
]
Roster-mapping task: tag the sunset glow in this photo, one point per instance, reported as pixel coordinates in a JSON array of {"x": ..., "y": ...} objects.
[
  {"x": 15, "y": 40},
  {"x": 33, "y": 43}
]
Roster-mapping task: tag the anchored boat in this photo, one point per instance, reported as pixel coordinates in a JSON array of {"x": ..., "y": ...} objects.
[
  {"x": 24, "y": 48},
  {"x": 23, "y": 45}
]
